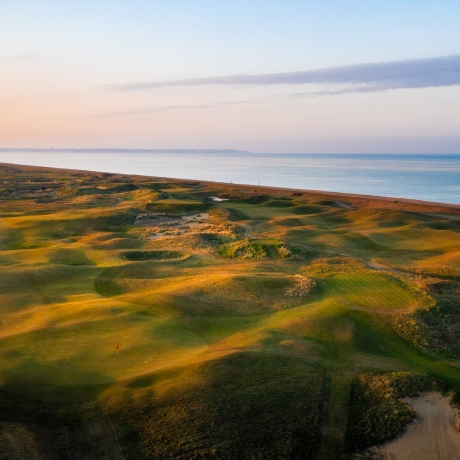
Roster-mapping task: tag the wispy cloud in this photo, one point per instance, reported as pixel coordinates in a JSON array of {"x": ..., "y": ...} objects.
[
  {"x": 415, "y": 73},
  {"x": 169, "y": 108}
]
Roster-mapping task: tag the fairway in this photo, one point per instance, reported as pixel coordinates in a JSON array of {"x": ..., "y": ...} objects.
[{"x": 85, "y": 353}]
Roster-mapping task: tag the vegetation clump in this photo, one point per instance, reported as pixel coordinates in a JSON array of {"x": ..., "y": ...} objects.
[
  {"x": 436, "y": 272},
  {"x": 145, "y": 194},
  {"x": 330, "y": 265},
  {"x": 302, "y": 286},
  {"x": 296, "y": 251},
  {"x": 244, "y": 249},
  {"x": 437, "y": 326},
  {"x": 377, "y": 410},
  {"x": 66, "y": 191},
  {"x": 244, "y": 406}
]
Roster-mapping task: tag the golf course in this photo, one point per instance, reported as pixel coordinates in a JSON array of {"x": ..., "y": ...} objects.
[{"x": 158, "y": 318}]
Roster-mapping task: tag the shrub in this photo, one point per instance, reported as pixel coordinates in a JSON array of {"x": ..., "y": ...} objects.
[
  {"x": 377, "y": 411},
  {"x": 244, "y": 249},
  {"x": 302, "y": 286}
]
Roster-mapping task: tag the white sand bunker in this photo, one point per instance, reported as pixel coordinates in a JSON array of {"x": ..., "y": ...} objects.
[
  {"x": 162, "y": 225},
  {"x": 433, "y": 436}
]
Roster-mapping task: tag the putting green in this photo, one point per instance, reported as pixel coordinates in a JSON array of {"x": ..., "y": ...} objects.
[
  {"x": 85, "y": 353},
  {"x": 370, "y": 290}
]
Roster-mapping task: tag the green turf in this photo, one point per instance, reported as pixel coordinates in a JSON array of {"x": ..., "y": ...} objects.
[{"x": 85, "y": 353}]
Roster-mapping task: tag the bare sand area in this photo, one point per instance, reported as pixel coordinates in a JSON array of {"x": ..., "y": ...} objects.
[
  {"x": 165, "y": 225},
  {"x": 432, "y": 436}
]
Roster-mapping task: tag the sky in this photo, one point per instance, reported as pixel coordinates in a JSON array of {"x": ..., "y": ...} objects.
[{"x": 266, "y": 76}]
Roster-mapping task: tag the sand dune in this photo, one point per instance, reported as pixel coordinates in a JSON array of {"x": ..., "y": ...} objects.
[{"x": 432, "y": 436}]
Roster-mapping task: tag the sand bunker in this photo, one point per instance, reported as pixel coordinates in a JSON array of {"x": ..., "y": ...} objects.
[
  {"x": 163, "y": 225},
  {"x": 432, "y": 436}
]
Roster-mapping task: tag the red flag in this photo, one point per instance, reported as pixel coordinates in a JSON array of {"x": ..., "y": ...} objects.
[{"x": 117, "y": 346}]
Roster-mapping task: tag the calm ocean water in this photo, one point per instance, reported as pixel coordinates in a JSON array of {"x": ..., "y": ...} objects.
[{"x": 423, "y": 177}]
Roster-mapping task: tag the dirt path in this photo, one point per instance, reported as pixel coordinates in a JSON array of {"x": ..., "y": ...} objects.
[{"x": 431, "y": 437}]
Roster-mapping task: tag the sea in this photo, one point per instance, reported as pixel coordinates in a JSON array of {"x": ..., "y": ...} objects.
[{"x": 428, "y": 177}]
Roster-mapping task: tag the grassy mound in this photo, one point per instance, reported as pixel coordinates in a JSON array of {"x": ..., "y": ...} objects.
[
  {"x": 290, "y": 222},
  {"x": 280, "y": 203},
  {"x": 236, "y": 215},
  {"x": 307, "y": 210},
  {"x": 66, "y": 191},
  {"x": 438, "y": 326},
  {"x": 172, "y": 204},
  {"x": 69, "y": 257},
  {"x": 329, "y": 265},
  {"x": 145, "y": 194},
  {"x": 245, "y": 249},
  {"x": 186, "y": 292}
]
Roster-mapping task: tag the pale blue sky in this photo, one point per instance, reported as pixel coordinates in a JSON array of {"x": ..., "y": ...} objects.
[{"x": 142, "y": 74}]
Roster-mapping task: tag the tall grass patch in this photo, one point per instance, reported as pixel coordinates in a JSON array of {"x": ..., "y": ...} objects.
[{"x": 377, "y": 411}]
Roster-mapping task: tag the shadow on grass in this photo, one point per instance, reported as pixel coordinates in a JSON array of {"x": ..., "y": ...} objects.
[
  {"x": 25, "y": 380},
  {"x": 247, "y": 405}
]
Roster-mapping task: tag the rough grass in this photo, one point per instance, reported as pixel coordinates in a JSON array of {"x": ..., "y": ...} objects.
[
  {"x": 245, "y": 249},
  {"x": 208, "y": 293},
  {"x": 377, "y": 411},
  {"x": 437, "y": 326},
  {"x": 35, "y": 442},
  {"x": 267, "y": 403},
  {"x": 178, "y": 205}
]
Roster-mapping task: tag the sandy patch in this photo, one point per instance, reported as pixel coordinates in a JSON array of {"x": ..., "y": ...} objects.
[
  {"x": 164, "y": 225},
  {"x": 432, "y": 436},
  {"x": 216, "y": 198},
  {"x": 344, "y": 204},
  {"x": 153, "y": 220}
]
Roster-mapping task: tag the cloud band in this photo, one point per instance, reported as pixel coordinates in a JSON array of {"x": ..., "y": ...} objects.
[{"x": 416, "y": 73}]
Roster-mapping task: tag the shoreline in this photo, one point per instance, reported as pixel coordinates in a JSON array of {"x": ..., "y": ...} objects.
[{"x": 354, "y": 199}]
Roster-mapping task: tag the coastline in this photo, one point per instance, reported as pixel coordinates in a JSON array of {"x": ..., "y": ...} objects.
[{"x": 355, "y": 200}]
